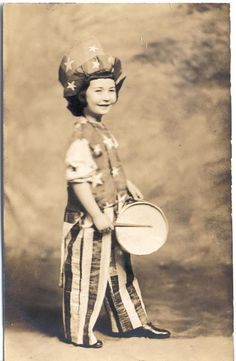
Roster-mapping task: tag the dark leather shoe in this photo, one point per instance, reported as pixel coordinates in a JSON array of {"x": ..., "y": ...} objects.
[
  {"x": 98, "y": 344},
  {"x": 149, "y": 331}
]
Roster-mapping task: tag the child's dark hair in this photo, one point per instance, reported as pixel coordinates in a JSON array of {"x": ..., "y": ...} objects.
[{"x": 77, "y": 103}]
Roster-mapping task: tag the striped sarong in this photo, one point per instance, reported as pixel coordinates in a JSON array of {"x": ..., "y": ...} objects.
[{"x": 95, "y": 270}]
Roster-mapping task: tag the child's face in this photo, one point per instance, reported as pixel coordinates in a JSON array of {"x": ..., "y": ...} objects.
[{"x": 100, "y": 96}]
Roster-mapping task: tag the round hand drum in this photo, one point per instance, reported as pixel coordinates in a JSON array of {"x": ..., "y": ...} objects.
[{"x": 141, "y": 228}]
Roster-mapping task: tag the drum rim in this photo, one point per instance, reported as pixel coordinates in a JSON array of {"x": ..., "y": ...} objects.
[
  {"x": 150, "y": 204},
  {"x": 128, "y": 205}
]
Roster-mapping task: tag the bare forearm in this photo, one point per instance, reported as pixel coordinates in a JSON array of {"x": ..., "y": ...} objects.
[{"x": 84, "y": 194}]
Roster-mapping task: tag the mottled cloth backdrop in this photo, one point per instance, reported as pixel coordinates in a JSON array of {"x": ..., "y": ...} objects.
[{"x": 172, "y": 121}]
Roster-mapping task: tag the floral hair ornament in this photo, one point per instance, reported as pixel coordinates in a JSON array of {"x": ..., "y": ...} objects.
[{"x": 87, "y": 61}]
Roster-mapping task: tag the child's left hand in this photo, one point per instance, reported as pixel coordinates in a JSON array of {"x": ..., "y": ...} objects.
[{"x": 134, "y": 191}]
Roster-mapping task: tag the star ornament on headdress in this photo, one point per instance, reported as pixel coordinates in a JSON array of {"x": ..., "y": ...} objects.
[
  {"x": 115, "y": 171},
  {"x": 68, "y": 64},
  {"x": 97, "y": 149},
  {"x": 71, "y": 85},
  {"x": 97, "y": 180},
  {"x": 108, "y": 142},
  {"x": 93, "y": 48},
  {"x": 95, "y": 64}
]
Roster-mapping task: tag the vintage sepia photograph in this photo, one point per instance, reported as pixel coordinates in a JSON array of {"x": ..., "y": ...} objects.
[{"x": 117, "y": 241}]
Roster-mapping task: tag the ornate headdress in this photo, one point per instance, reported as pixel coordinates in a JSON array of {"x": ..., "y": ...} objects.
[{"x": 87, "y": 61}]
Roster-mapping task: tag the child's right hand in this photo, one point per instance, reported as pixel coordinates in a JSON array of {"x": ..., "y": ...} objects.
[{"x": 103, "y": 223}]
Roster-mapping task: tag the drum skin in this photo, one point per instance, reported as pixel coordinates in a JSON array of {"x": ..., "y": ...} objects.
[{"x": 142, "y": 240}]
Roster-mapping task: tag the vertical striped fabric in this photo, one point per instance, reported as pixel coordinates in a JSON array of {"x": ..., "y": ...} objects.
[
  {"x": 123, "y": 298},
  {"x": 95, "y": 269}
]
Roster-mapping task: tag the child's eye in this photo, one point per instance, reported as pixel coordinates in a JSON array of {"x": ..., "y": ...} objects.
[{"x": 112, "y": 90}]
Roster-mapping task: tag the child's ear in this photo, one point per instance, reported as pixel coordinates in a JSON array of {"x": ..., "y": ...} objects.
[{"x": 119, "y": 84}]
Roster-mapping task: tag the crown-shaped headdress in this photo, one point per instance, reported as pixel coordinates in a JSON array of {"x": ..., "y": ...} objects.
[{"x": 87, "y": 61}]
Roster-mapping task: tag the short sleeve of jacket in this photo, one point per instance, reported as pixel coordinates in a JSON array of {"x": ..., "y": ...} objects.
[{"x": 80, "y": 166}]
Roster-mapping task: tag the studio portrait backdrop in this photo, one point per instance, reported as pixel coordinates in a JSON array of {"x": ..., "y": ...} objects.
[{"x": 173, "y": 125}]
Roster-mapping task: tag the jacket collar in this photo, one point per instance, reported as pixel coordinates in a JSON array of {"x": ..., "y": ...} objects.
[{"x": 94, "y": 123}]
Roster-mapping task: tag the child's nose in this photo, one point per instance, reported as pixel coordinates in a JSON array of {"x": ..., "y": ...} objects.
[{"x": 106, "y": 96}]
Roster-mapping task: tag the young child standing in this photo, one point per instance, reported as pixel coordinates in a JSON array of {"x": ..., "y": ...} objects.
[{"x": 94, "y": 269}]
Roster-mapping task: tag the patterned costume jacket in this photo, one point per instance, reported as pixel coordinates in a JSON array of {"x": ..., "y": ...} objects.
[{"x": 101, "y": 165}]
